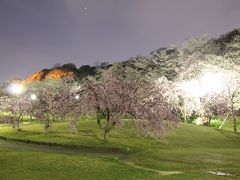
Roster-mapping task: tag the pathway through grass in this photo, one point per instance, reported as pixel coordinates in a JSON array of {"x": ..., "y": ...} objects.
[{"x": 121, "y": 157}]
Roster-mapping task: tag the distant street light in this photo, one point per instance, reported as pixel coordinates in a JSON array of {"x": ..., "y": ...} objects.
[
  {"x": 33, "y": 97},
  {"x": 77, "y": 97},
  {"x": 15, "y": 89}
]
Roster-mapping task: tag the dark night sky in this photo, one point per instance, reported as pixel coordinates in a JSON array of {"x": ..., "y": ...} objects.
[{"x": 36, "y": 34}]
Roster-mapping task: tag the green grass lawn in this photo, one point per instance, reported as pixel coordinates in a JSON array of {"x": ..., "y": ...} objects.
[
  {"x": 229, "y": 124},
  {"x": 191, "y": 150}
]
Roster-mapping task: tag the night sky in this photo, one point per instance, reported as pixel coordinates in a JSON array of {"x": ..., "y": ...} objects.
[{"x": 36, "y": 34}]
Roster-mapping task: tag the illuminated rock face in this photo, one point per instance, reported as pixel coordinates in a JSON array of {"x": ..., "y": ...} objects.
[
  {"x": 50, "y": 74},
  {"x": 59, "y": 73},
  {"x": 38, "y": 76}
]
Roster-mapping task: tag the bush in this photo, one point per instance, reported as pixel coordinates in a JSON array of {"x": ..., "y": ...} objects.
[
  {"x": 216, "y": 123},
  {"x": 192, "y": 119}
]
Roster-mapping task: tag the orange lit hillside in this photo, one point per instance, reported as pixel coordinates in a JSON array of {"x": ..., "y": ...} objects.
[{"x": 50, "y": 74}]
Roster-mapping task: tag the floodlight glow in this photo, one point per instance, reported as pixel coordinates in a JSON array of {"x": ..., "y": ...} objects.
[
  {"x": 212, "y": 82},
  {"x": 208, "y": 83},
  {"x": 192, "y": 88},
  {"x": 33, "y": 97},
  {"x": 15, "y": 89},
  {"x": 77, "y": 97}
]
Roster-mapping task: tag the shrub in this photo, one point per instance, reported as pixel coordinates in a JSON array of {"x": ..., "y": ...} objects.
[{"x": 216, "y": 123}]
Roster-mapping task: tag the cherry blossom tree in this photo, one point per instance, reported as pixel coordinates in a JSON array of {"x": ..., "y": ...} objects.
[
  {"x": 232, "y": 93},
  {"x": 214, "y": 104},
  {"x": 17, "y": 106},
  {"x": 227, "y": 100},
  {"x": 127, "y": 93},
  {"x": 56, "y": 100}
]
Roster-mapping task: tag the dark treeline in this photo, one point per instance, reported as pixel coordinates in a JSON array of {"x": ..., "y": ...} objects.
[{"x": 170, "y": 61}]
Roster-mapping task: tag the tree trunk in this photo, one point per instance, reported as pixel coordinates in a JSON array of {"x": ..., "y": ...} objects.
[
  {"x": 73, "y": 127},
  {"x": 18, "y": 125},
  {"x": 108, "y": 116},
  {"x": 106, "y": 130},
  {"x": 209, "y": 120},
  {"x": 234, "y": 124},
  {"x": 12, "y": 122},
  {"x": 46, "y": 126},
  {"x": 234, "y": 119},
  {"x": 185, "y": 113},
  {"x": 106, "y": 135},
  {"x": 98, "y": 117},
  {"x": 63, "y": 117}
]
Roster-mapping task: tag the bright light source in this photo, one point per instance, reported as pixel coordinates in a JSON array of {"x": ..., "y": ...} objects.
[
  {"x": 33, "y": 97},
  {"x": 192, "y": 88},
  {"x": 208, "y": 83},
  {"x": 212, "y": 82},
  {"x": 15, "y": 89},
  {"x": 77, "y": 97}
]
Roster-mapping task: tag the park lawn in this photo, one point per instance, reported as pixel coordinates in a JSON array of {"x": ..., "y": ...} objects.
[
  {"x": 22, "y": 165},
  {"x": 229, "y": 124},
  {"x": 191, "y": 150}
]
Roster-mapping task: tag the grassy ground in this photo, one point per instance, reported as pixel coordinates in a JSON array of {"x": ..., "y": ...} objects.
[
  {"x": 229, "y": 124},
  {"x": 192, "y": 151}
]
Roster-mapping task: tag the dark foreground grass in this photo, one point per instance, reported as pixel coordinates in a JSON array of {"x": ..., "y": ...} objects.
[
  {"x": 36, "y": 165},
  {"x": 191, "y": 150}
]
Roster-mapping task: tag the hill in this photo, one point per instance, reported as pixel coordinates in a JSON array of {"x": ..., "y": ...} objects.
[
  {"x": 66, "y": 70},
  {"x": 167, "y": 62},
  {"x": 172, "y": 61},
  {"x": 53, "y": 74}
]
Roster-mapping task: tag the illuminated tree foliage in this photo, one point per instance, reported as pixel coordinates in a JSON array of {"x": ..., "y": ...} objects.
[
  {"x": 56, "y": 100},
  {"x": 116, "y": 95},
  {"x": 17, "y": 107}
]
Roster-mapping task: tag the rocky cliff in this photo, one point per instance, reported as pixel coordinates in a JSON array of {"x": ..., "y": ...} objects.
[{"x": 50, "y": 74}]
